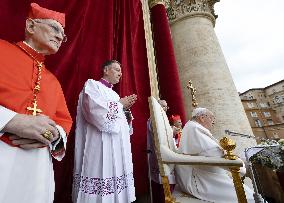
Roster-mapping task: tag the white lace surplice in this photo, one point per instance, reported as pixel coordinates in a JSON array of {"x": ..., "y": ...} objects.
[{"x": 103, "y": 170}]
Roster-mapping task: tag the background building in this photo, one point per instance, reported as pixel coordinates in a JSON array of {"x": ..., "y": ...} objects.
[{"x": 264, "y": 108}]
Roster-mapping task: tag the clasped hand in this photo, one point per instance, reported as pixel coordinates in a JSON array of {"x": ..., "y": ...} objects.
[{"x": 27, "y": 130}]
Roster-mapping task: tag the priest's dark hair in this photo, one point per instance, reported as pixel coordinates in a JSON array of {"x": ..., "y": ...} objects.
[{"x": 109, "y": 62}]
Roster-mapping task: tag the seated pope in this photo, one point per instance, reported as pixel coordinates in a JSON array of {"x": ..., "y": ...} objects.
[{"x": 209, "y": 183}]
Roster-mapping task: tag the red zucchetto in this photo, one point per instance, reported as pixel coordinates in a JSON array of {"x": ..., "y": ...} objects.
[
  {"x": 175, "y": 118},
  {"x": 37, "y": 12}
]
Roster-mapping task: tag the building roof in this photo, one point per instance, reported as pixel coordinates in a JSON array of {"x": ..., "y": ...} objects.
[
  {"x": 261, "y": 88},
  {"x": 274, "y": 84},
  {"x": 251, "y": 90}
]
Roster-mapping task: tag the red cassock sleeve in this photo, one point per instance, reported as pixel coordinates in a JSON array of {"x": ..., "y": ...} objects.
[{"x": 62, "y": 116}]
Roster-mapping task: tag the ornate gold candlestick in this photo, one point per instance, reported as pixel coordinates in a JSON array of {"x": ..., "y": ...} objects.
[{"x": 229, "y": 145}]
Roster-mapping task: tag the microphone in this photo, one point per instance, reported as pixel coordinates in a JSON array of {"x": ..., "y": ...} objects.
[{"x": 232, "y": 133}]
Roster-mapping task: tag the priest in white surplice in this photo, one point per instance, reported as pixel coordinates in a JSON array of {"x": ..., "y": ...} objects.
[
  {"x": 208, "y": 183},
  {"x": 103, "y": 170}
]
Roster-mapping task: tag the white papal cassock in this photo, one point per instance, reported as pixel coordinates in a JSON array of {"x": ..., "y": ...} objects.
[
  {"x": 212, "y": 184},
  {"x": 103, "y": 171}
]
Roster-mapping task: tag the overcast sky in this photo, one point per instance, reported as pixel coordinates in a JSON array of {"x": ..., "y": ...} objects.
[{"x": 251, "y": 34}]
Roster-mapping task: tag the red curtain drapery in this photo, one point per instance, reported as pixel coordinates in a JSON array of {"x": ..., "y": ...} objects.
[
  {"x": 97, "y": 30},
  {"x": 170, "y": 88}
]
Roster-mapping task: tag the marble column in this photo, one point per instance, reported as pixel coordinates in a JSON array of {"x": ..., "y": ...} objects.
[{"x": 200, "y": 59}]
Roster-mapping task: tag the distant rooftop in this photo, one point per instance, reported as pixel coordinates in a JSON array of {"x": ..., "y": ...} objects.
[{"x": 261, "y": 88}]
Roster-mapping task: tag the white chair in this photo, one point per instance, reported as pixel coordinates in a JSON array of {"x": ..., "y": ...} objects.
[{"x": 167, "y": 157}]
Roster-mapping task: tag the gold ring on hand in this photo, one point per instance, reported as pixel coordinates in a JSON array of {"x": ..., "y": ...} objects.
[{"x": 47, "y": 135}]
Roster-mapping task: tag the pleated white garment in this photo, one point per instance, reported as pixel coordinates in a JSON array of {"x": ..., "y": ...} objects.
[
  {"x": 103, "y": 171},
  {"x": 26, "y": 176}
]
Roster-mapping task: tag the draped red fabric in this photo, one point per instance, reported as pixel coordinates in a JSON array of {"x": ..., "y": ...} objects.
[
  {"x": 97, "y": 30},
  {"x": 170, "y": 88}
]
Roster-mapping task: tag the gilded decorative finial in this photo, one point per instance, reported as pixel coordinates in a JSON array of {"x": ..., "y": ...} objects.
[
  {"x": 192, "y": 92},
  {"x": 228, "y": 145}
]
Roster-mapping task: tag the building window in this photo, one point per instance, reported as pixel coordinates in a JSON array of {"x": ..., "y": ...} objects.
[
  {"x": 266, "y": 114},
  {"x": 278, "y": 99},
  {"x": 275, "y": 135},
  {"x": 253, "y": 114},
  {"x": 258, "y": 123},
  {"x": 250, "y": 105},
  {"x": 250, "y": 97},
  {"x": 263, "y": 105},
  {"x": 270, "y": 122}
]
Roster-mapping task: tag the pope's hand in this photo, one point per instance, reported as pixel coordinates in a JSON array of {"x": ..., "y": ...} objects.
[
  {"x": 32, "y": 128},
  {"x": 128, "y": 101}
]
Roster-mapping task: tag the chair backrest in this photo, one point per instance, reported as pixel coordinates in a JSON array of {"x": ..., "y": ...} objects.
[{"x": 163, "y": 135}]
